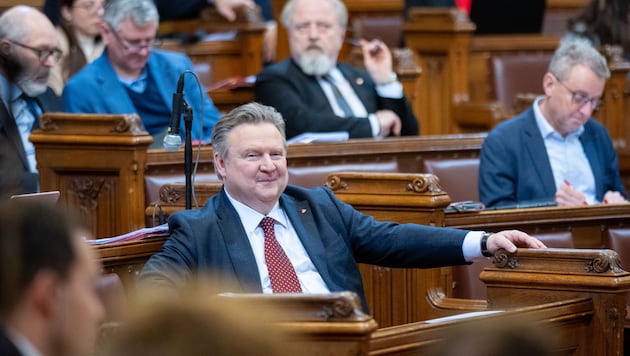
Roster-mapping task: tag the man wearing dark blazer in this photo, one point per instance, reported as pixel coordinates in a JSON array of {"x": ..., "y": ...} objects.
[
  {"x": 49, "y": 304},
  {"x": 555, "y": 152},
  {"x": 311, "y": 90},
  {"x": 322, "y": 237},
  {"x": 28, "y": 50}
]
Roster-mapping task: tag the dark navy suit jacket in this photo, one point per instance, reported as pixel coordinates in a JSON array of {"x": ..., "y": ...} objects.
[
  {"x": 6, "y": 346},
  {"x": 336, "y": 237},
  {"x": 15, "y": 177},
  {"x": 514, "y": 166},
  {"x": 305, "y": 108}
]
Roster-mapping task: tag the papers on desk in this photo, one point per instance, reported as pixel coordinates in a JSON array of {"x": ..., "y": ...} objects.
[
  {"x": 147, "y": 232},
  {"x": 462, "y": 316},
  {"x": 308, "y": 137}
]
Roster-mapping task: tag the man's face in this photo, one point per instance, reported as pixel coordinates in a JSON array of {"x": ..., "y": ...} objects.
[
  {"x": 79, "y": 310},
  {"x": 129, "y": 47},
  {"x": 570, "y": 102},
  {"x": 255, "y": 169},
  {"x": 35, "y": 69},
  {"x": 315, "y": 36}
]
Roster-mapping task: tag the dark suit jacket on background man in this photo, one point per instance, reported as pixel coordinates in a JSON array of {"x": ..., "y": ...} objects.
[{"x": 302, "y": 102}]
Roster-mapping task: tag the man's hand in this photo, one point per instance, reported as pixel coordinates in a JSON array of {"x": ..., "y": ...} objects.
[
  {"x": 226, "y": 7},
  {"x": 390, "y": 123},
  {"x": 510, "y": 240},
  {"x": 613, "y": 198},
  {"x": 378, "y": 60},
  {"x": 567, "y": 196}
]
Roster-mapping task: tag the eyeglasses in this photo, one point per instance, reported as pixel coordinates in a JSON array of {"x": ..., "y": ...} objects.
[
  {"x": 136, "y": 46},
  {"x": 580, "y": 99},
  {"x": 42, "y": 53},
  {"x": 90, "y": 6}
]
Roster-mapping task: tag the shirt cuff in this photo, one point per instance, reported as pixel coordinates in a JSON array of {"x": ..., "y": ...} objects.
[
  {"x": 391, "y": 90},
  {"x": 471, "y": 248},
  {"x": 375, "y": 125}
]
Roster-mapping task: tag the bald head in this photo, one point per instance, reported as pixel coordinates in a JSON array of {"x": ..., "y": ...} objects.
[{"x": 22, "y": 23}]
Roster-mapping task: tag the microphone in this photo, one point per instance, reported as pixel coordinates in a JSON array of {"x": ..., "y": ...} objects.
[{"x": 173, "y": 140}]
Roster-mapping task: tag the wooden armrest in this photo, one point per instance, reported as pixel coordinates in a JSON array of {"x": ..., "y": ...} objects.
[{"x": 479, "y": 115}]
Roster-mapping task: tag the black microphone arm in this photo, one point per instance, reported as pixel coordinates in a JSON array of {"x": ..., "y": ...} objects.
[{"x": 173, "y": 139}]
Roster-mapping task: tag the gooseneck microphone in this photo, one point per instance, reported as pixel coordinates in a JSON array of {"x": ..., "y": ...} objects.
[{"x": 173, "y": 140}]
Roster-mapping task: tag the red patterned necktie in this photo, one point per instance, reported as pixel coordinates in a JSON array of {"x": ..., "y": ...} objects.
[{"x": 281, "y": 272}]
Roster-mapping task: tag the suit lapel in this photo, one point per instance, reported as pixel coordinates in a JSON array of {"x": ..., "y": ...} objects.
[
  {"x": 537, "y": 154},
  {"x": 13, "y": 134},
  {"x": 303, "y": 222},
  {"x": 358, "y": 83},
  {"x": 237, "y": 245},
  {"x": 114, "y": 94},
  {"x": 588, "y": 144}
]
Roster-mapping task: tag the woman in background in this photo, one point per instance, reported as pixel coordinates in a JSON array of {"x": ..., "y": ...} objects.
[{"x": 78, "y": 29}]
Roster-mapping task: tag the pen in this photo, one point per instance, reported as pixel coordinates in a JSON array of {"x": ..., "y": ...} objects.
[{"x": 373, "y": 52}]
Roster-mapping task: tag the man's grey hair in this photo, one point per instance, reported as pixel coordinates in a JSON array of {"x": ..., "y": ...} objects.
[
  {"x": 252, "y": 113},
  {"x": 141, "y": 12},
  {"x": 12, "y": 23},
  {"x": 340, "y": 11},
  {"x": 574, "y": 51}
]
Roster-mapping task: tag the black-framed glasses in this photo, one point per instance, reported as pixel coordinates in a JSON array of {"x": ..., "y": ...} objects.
[
  {"x": 42, "y": 53},
  {"x": 580, "y": 99},
  {"x": 136, "y": 46}
]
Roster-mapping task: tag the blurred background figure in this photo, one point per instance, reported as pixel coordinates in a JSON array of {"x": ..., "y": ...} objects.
[
  {"x": 604, "y": 22},
  {"x": 78, "y": 29},
  {"x": 28, "y": 50},
  {"x": 497, "y": 338}
]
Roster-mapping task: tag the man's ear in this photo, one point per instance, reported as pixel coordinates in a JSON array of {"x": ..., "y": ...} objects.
[
  {"x": 45, "y": 293},
  {"x": 219, "y": 164},
  {"x": 548, "y": 82},
  {"x": 5, "y": 48}
]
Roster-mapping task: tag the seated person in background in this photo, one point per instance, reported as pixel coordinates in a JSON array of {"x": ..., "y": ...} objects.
[
  {"x": 133, "y": 77},
  {"x": 179, "y": 10},
  {"x": 79, "y": 39},
  {"x": 320, "y": 239},
  {"x": 604, "y": 23},
  {"x": 316, "y": 94},
  {"x": 28, "y": 50},
  {"x": 49, "y": 304},
  {"x": 555, "y": 150}
]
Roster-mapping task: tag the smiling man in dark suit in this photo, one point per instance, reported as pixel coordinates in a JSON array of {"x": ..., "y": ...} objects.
[
  {"x": 28, "y": 50},
  {"x": 316, "y": 94},
  {"x": 317, "y": 240}
]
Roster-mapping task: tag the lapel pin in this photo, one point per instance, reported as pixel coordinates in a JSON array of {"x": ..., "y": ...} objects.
[
  {"x": 359, "y": 81},
  {"x": 303, "y": 211}
]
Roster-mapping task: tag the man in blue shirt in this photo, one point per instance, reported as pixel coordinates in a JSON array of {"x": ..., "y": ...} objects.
[
  {"x": 555, "y": 152},
  {"x": 132, "y": 76}
]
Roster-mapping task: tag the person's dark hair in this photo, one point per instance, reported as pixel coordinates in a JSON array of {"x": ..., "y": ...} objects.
[
  {"x": 33, "y": 237},
  {"x": 603, "y": 22},
  {"x": 252, "y": 113},
  {"x": 75, "y": 60}
]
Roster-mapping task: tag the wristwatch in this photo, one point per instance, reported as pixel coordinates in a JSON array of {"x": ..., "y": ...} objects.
[{"x": 484, "y": 244}]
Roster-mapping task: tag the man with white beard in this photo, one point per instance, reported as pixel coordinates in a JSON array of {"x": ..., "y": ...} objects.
[
  {"x": 314, "y": 93},
  {"x": 28, "y": 50}
]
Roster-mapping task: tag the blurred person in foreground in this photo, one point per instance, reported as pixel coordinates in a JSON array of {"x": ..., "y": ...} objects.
[{"x": 49, "y": 304}]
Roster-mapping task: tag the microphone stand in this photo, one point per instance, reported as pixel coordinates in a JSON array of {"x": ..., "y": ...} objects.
[{"x": 188, "y": 119}]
